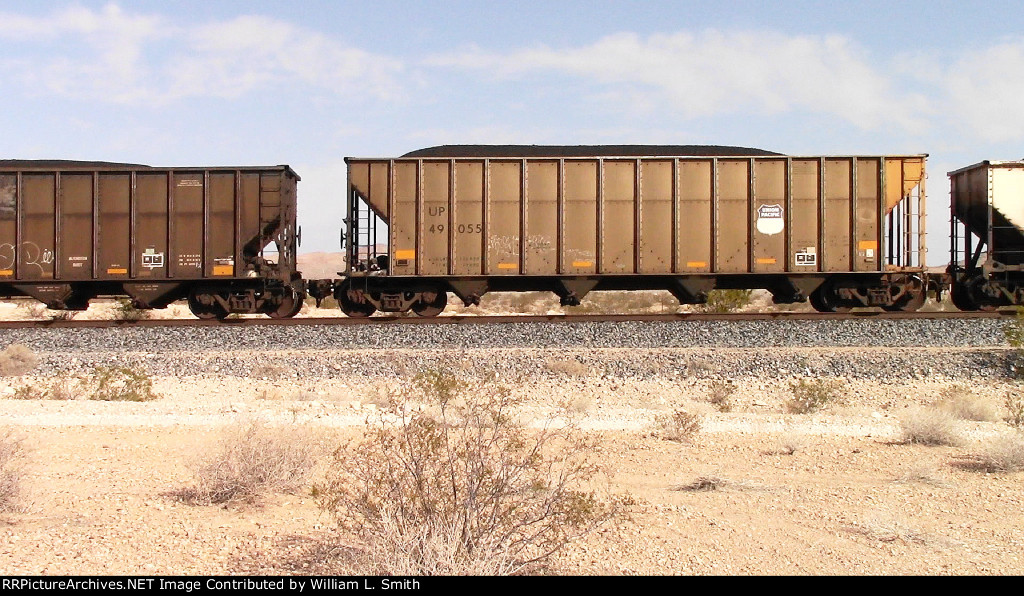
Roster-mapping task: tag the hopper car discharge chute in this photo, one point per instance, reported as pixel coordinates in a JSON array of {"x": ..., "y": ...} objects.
[{"x": 986, "y": 267}]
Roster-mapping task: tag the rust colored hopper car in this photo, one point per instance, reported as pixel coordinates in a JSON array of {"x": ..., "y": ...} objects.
[
  {"x": 73, "y": 231},
  {"x": 842, "y": 231}
]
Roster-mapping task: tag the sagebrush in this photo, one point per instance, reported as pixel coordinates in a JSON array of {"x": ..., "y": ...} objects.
[
  {"x": 447, "y": 482},
  {"x": 252, "y": 461}
]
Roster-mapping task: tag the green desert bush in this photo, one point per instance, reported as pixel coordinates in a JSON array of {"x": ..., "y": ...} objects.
[
  {"x": 119, "y": 383},
  {"x": 722, "y": 301},
  {"x": 810, "y": 395},
  {"x": 447, "y": 482}
]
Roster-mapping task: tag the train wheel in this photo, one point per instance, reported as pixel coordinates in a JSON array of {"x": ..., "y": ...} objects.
[
  {"x": 290, "y": 306},
  {"x": 958, "y": 294},
  {"x": 962, "y": 296},
  {"x": 430, "y": 308},
  {"x": 356, "y": 310},
  {"x": 205, "y": 311},
  {"x": 913, "y": 298},
  {"x": 816, "y": 301},
  {"x": 824, "y": 300}
]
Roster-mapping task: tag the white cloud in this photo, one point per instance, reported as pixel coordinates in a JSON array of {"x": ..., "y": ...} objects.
[
  {"x": 983, "y": 90},
  {"x": 714, "y": 72},
  {"x": 136, "y": 59}
]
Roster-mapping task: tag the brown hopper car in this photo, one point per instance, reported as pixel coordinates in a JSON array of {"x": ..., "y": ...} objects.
[
  {"x": 73, "y": 231},
  {"x": 843, "y": 231}
]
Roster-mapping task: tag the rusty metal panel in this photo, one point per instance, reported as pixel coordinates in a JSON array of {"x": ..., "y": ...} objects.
[
  {"x": 219, "y": 259},
  {"x": 505, "y": 185},
  {"x": 579, "y": 237},
  {"x": 770, "y": 214},
  {"x": 694, "y": 237},
  {"x": 403, "y": 223},
  {"x": 36, "y": 249},
  {"x": 435, "y": 218},
  {"x": 187, "y": 223},
  {"x": 378, "y": 189},
  {"x": 619, "y": 215},
  {"x": 249, "y": 214},
  {"x": 656, "y": 222},
  {"x": 805, "y": 181},
  {"x": 75, "y": 239},
  {"x": 837, "y": 225},
  {"x": 733, "y": 216},
  {"x": 868, "y": 257},
  {"x": 151, "y": 225},
  {"x": 114, "y": 222},
  {"x": 468, "y": 229},
  {"x": 542, "y": 188},
  {"x": 8, "y": 225}
]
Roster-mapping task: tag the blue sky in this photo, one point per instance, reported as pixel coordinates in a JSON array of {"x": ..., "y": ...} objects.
[{"x": 309, "y": 83}]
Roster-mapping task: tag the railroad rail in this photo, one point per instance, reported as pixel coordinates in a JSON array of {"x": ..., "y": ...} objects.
[{"x": 501, "y": 319}]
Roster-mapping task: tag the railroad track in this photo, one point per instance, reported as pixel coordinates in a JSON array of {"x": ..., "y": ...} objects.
[{"x": 502, "y": 319}]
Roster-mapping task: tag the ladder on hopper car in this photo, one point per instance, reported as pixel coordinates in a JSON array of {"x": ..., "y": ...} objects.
[{"x": 363, "y": 222}]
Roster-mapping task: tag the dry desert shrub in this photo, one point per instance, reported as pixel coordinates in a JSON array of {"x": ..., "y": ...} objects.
[
  {"x": 885, "y": 527},
  {"x": 922, "y": 474},
  {"x": 791, "y": 442},
  {"x": 16, "y": 360},
  {"x": 56, "y": 388},
  {"x": 268, "y": 371},
  {"x": 1015, "y": 410},
  {"x": 929, "y": 426},
  {"x": 11, "y": 468},
  {"x": 1005, "y": 453},
  {"x": 460, "y": 487},
  {"x": 720, "y": 395},
  {"x": 252, "y": 461},
  {"x": 571, "y": 368},
  {"x": 581, "y": 404},
  {"x": 963, "y": 404},
  {"x": 810, "y": 395},
  {"x": 679, "y": 426},
  {"x": 712, "y": 482}
]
